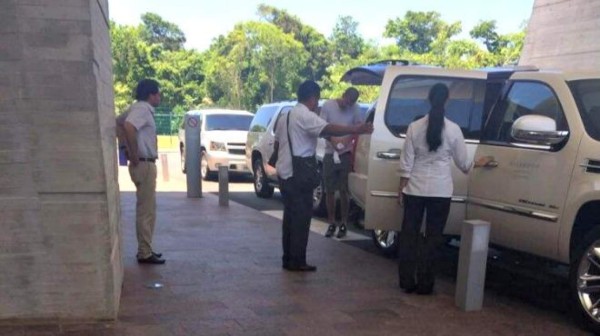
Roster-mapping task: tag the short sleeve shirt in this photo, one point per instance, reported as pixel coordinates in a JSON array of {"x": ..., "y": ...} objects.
[
  {"x": 141, "y": 116},
  {"x": 332, "y": 113},
  {"x": 305, "y": 128}
]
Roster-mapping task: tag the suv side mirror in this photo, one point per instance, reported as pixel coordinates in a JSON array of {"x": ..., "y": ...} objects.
[{"x": 537, "y": 130}]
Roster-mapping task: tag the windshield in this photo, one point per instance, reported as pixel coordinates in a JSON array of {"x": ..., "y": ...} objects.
[
  {"x": 228, "y": 122},
  {"x": 587, "y": 96}
]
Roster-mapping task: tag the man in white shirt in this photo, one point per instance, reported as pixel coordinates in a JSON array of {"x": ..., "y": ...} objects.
[
  {"x": 337, "y": 159},
  {"x": 305, "y": 127},
  {"x": 139, "y": 130}
]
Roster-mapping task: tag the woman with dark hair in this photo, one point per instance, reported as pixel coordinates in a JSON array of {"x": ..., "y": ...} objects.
[{"x": 432, "y": 142}]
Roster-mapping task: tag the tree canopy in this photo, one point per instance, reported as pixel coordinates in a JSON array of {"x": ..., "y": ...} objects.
[{"x": 263, "y": 61}]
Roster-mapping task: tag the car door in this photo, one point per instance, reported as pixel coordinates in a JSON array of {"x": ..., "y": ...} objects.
[
  {"x": 523, "y": 192},
  {"x": 403, "y": 99}
]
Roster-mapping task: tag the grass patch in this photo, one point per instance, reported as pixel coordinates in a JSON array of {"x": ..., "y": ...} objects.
[{"x": 168, "y": 142}]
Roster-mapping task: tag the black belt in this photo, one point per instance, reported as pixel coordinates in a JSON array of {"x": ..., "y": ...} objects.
[{"x": 147, "y": 160}]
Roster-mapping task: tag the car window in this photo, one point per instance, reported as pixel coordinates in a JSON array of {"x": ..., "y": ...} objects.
[
  {"x": 228, "y": 122},
  {"x": 522, "y": 98},
  {"x": 262, "y": 118},
  {"x": 587, "y": 96},
  {"x": 408, "y": 102}
]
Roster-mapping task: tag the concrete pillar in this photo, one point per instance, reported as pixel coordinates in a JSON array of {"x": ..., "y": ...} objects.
[
  {"x": 563, "y": 34},
  {"x": 60, "y": 252}
]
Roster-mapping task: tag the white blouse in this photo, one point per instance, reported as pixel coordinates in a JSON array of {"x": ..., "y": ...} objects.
[{"x": 429, "y": 173}]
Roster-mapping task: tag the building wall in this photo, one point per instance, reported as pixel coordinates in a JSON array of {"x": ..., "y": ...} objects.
[
  {"x": 60, "y": 252},
  {"x": 563, "y": 34}
]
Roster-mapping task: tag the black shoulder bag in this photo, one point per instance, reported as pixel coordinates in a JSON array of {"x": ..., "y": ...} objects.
[{"x": 306, "y": 174}]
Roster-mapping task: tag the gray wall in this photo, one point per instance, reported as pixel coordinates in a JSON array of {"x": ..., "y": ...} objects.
[
  {"x": 563, "y": 34},
  {"x": 60, "y": 253}
]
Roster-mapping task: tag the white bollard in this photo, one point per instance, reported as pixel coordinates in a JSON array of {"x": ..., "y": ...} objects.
[
  {"x": 223, "y": 186},
  {"x": 472, "y": 260}
]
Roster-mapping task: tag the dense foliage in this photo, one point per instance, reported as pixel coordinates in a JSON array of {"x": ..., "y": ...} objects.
[{"x": 264, "y": 60}]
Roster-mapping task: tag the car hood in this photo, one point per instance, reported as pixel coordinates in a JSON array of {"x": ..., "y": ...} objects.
[{"x": 226, "y": 136}]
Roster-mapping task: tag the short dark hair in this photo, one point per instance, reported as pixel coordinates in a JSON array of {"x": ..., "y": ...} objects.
[
  {"x": 308, "y": 89},
  {"x": 351, "y": 93},
  {"x": 145, "y": 88}
]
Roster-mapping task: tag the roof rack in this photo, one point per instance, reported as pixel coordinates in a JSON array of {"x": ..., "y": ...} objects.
[{"x": 393, "y": 62}]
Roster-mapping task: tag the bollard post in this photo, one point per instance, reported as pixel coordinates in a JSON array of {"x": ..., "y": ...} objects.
[
  {"x": 472, "y": 260},
  {"x": 164, "y": 165},
  {"x": 192, "y": 156},
  {"x": 223, "y": 186}
]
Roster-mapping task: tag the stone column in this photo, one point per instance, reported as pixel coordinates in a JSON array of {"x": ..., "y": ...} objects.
[
  {"x": 563, "y": 34},
  {"x": 60, "y": 248}
]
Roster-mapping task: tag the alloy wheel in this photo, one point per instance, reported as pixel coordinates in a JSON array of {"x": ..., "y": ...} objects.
[{"x": 588, "y": 281}]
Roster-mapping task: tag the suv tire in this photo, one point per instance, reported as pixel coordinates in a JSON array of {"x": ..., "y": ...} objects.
[
  {"x": 182, "y": 155},
  {"x": 386, "y": 241},
  {"x": 205, "y": 172},
  {"x": 585, "y": 275},
  {"x": 261, "y": 183},
  {"x": 319, "y": 200}
]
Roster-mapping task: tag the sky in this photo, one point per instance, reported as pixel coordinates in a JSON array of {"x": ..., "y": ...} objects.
[{"x": 203, "y": 20}]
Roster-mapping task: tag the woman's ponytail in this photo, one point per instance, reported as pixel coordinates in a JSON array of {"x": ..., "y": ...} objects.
[{"x": 438, "y": 95}]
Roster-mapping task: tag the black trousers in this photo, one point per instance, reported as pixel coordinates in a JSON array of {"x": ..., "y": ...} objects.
[
  {"x": 418, "y": 253},
  {"x": 297, "y": 213}
]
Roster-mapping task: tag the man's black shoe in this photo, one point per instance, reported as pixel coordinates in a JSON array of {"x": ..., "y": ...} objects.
[
  {"x": 342, "y": 231},
  {"x": 151, "y": 260},
  {"x": 303, "y": 268},
  {"x": 330, "y": 231},
  {"x": 156, "y": 254}
]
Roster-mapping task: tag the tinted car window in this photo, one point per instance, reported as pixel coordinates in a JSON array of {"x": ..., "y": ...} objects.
[
  {"x": 228, "y": 122},
  {"x": 587, "y": 96},
  {"x": 262, "y": 118},
  {"x": 284, "y": 110},
  {"x": 523, "y": 98},
  {"x": 408, "y": 102}
]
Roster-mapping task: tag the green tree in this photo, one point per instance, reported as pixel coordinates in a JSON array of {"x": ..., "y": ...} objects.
[
  {"x": 132, "y": 61},
  {"x": 416, "y": 31},
  {"x": 158, "y": 31},
  {"x": 345, "y": 39},
  {"x": 254, "y": 64},
  {"x": 485, "y": 31},
  {"x": 314, "y": 42}
]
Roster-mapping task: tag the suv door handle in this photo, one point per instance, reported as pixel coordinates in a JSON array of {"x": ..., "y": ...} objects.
[
  {"x": 388, "y": 155},
  {"x": 492, "y": 164}
]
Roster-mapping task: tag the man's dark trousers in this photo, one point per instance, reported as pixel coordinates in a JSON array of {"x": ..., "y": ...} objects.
[{"x": 297, "y": 213}]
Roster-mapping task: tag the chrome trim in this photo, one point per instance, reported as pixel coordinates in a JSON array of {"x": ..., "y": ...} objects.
[
  {"x": 388, "y": 155},
  {"x": 530, "y": 146},
  {"x": 389, "y": 194},
  {"x": 468, "y": 141},
  {"x": 386, "y": 194},
  {"x": 516, "y": 210}
]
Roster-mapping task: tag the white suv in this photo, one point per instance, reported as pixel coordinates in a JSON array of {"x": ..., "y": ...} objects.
[
  {"x": 542, "y": 191},
  {"x": 222, "y": 140},
  {"x": 259, "y": 147}
]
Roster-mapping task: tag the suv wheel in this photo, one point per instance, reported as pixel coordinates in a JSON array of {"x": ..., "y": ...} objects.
[
  {"x": 205, "y": 172},
  {"x": 584, "y": 281},
  {"x": 386, "y": 241},
  {"x": 261, "y": 185},
  {"x": 182, "y": 155},
  {"x": 319, "y": 202}
]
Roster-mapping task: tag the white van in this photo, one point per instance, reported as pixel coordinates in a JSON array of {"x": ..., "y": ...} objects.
[
  {"x": 541, "y": 193},
  {"x": 223, "y": 136}
]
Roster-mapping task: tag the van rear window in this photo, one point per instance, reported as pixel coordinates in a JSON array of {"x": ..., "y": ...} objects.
[{"x": 408, "y": 102}]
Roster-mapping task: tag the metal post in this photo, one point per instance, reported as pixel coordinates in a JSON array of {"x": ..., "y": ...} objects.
[
  {"x": 192, "y": 156},
  {"x": 164, "y": 165},
  {"x": 472, "y": 260},
  {"x": 223, "y": 186}
]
